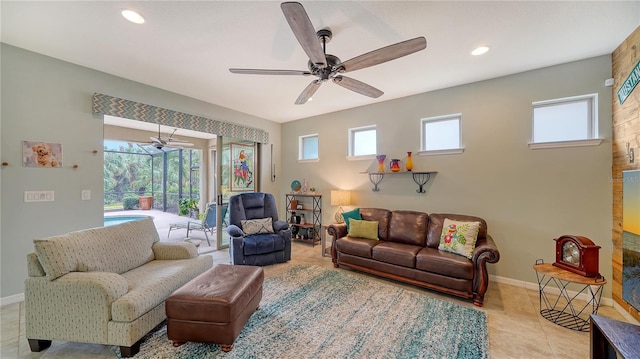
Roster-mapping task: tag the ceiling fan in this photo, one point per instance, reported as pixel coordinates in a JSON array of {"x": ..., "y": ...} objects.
[
  {"x": 326, "y": 66},
  {"x": 160, "y": 141}
]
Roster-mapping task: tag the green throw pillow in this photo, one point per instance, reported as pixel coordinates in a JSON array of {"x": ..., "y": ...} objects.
[
  {"x": 459, "y": 237},
  {"x": 355, "y": 214},
  {"x": 363, "y": 229}
]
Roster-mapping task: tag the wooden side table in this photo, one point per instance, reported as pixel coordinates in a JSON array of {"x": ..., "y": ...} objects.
[{"x": 556, "y": 303}]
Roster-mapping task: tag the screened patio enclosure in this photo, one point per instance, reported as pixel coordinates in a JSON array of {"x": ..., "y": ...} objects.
[{"x": 133, "y": 170}]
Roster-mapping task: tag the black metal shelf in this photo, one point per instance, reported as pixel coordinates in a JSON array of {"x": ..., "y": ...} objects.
[
  {"x": 420, "y": 178},
  {"x": 314, "y": 225}
]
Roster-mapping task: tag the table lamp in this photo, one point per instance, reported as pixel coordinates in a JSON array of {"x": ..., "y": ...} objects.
[{"x": 340, "y": 198}]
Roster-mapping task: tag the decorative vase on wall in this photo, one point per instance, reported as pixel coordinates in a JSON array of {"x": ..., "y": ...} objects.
[
  {"x": 381, "y": 159},
  {"x": 394, "y": 165},
  {"x": 409, "y": 163}
]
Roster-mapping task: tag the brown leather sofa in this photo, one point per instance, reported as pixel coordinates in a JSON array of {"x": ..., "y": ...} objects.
[{"x": 407, "y": 251}]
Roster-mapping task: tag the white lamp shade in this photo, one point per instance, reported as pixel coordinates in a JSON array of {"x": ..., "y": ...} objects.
[{"x": 340, "y": 197}]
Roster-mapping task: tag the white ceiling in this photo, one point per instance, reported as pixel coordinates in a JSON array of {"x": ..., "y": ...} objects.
[{"x": 188, "y": 47}]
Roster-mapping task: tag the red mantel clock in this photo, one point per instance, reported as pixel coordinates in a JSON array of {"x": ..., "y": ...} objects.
[{"x": 578, "y": 255}]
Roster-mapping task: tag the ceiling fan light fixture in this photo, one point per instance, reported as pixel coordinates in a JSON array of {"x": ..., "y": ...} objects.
[
  {"x": 133, "y": 16},
  {"x": 480, "y": 50}
]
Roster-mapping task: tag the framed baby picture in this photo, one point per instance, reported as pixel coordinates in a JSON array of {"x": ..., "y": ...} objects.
[{"x": 41, "y": 154}]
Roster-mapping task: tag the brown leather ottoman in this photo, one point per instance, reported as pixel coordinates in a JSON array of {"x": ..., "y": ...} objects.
[{"x": 214, "y": 306}]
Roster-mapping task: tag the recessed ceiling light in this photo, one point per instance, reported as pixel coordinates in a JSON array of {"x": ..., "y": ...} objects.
[
  {"x": 133, "y": 16},
  {"x": 479, "y": 50}
]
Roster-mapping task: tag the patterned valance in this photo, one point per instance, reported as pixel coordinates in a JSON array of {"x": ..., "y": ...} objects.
[{"x": 113, "y": 106}]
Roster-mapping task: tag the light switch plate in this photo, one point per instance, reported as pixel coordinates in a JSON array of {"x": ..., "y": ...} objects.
[
  {"x": 86, "y": 194},
  {"x": 39, "y": 196}
]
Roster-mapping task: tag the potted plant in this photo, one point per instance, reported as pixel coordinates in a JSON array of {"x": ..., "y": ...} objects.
[{"x": 188, "y": 206}]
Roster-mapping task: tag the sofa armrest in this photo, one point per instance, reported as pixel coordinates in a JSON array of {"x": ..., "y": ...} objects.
[
  {"x": 74, "y": 307},
  {"x": 234, "y": 231},
  {"x": 280, "y": 225},
  {"x": 336, "y": 230},
  {"x": 179, "y": 250},
  {"x": 485, "y": 252}
]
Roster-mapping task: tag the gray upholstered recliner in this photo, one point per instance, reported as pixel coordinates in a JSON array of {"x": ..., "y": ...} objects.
[{"x": 261, "y": 248}]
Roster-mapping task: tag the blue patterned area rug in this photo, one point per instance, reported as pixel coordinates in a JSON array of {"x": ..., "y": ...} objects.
[{"x": 313, "y": 312}]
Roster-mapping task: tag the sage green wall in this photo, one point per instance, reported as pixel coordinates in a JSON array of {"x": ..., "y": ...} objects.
[
  {"x": 50, "y": 100},
  {"x": 528, "y": 197}
]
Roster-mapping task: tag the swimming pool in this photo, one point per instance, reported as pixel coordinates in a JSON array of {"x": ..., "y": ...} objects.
[{"x": 113, "y": 220}]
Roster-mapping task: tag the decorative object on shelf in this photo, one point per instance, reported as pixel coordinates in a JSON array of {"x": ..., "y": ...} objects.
[
  {"x": 294, "y": 204},
  {"x": 304, "y": 186},
  {"x": 302, "y": 221},
  {"x": 578, "y": 255},
  {"x": 299, "y": 206},
  {"x": 409, "y": 163},
  {"x": 293, "y": 217},
  {"x": 394, "y": 165},
  {"x": 296, "y": 186},
  {"x": 312, "y": 190},
  {"x": 41, "y": 154},
  {"x": 381, "y": 159},
  {"x": 340, "y": 198}
]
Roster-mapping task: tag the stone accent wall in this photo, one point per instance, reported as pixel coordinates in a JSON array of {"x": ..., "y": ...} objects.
[{"x": 626, "y": 129}]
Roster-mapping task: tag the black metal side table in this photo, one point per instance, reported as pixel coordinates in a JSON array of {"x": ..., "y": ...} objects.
[{"x": 561, "y": 307}]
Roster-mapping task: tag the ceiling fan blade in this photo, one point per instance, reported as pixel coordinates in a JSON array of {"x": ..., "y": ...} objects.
[
  {"x": 305, "y": 33},
  {"x": 357, "y": 86},
  {"x": 156, "y": 140},
  {"x": 269, "y": 72},
  {"x": 308, "y": 92},
  {"x": 384, "y": 54}
]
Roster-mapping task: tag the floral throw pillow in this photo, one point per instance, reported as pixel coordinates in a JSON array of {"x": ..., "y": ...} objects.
[
  {"x": 459, "y": 237},
  {"x": 255, "y": 226}
]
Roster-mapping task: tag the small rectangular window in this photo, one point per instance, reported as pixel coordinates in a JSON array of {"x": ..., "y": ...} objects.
[
  {"x": 362, "y": 141},
  {"x": 308, "y": 147},
  {"x": 441, "y": 134},
  {"x": 565, "y": 120}
]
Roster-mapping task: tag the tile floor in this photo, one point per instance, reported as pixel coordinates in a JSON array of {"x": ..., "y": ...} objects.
[{"x": 516, "y": 329}]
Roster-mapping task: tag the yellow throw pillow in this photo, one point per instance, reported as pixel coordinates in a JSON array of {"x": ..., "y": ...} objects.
[
  {"x": 459, "y": 237},
  {"x": 363, "y": 229}
]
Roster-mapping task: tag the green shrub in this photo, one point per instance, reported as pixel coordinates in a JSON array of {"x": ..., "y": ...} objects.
[{"x": 130, "y": 202}]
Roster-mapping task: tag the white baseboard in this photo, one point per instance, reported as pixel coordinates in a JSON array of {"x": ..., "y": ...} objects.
[
  {"x": 625, "y": 314},
  {"x": 534, "y": 286},
  {"x": 12, "y": 299}
]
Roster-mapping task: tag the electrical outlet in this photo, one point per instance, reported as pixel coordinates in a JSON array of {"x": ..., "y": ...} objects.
[{"x": 86, "y": 194}]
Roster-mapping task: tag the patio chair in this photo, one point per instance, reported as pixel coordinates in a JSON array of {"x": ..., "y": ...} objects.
[{"x": 208, "y": 223}]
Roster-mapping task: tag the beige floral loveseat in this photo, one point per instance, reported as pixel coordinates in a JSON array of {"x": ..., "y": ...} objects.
[{"x": 104, "y": 285}]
